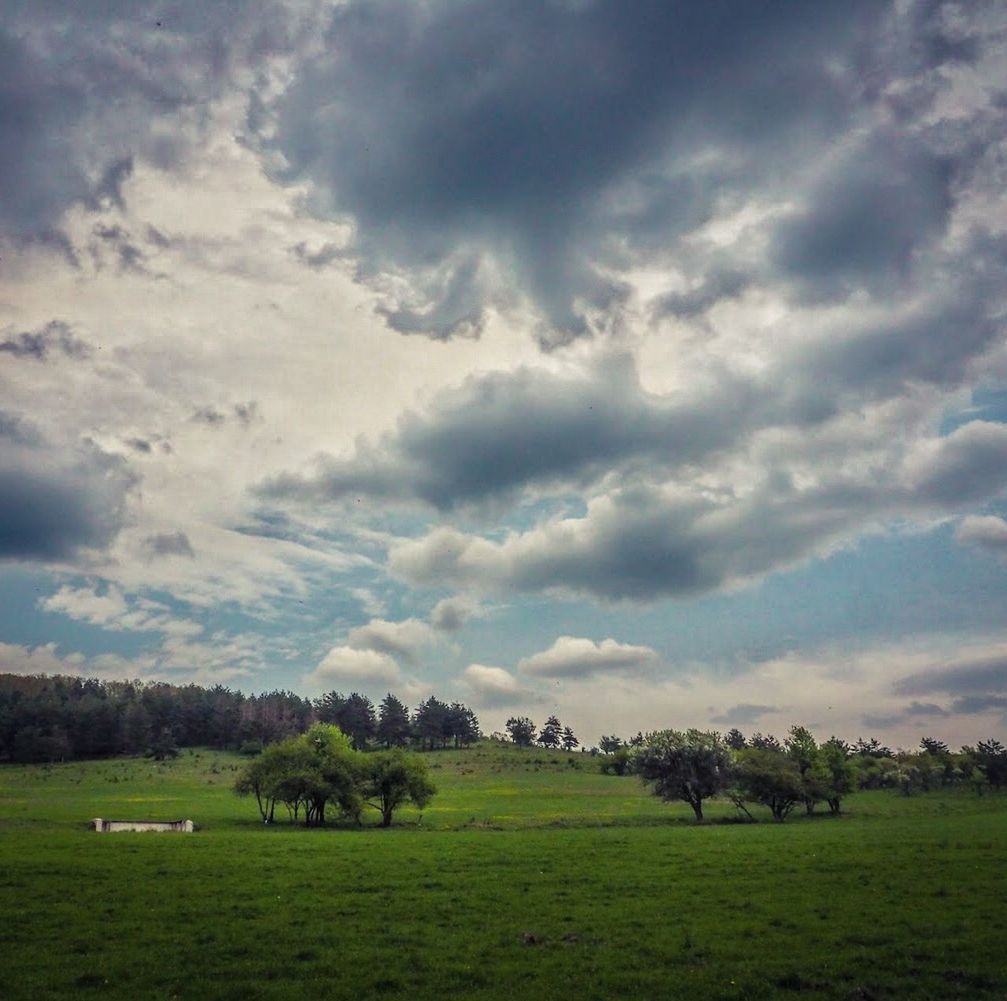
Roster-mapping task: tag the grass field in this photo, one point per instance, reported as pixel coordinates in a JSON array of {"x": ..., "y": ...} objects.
[{"x": 530, "y": 876}]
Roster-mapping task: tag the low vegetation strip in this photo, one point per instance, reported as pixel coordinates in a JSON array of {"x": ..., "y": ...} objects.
[{"x": 487, "y": 895}]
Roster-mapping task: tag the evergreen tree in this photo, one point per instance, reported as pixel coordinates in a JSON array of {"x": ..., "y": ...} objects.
[
  {"x": 568, "y": 739},
  {"x": 394, "y": 728},
  {"x": 551, "y": 733}
]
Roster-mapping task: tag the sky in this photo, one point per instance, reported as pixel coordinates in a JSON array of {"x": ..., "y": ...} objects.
[{"x": 642, "y": 363}]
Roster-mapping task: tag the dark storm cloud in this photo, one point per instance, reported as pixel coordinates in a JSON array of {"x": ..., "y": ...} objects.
[
  {"x": 39, "y": 344},
  {"x": 504, "y": 431},
  {"x": 644, "y": 541},
  {"x": 544, "y": 140},
  {"x": 54, "y": 504},
  {"x": 914, "y": 711},
  {"x": 85, "y": 89},
  {"x": 969, "y": 704},
  {"x": 865, "y": 216},
  {"x": 169, "y": 544},
  {"x": 977, "y": 677}
]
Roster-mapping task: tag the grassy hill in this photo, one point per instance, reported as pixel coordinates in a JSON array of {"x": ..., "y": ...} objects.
[{"x": 530, "y": 875}]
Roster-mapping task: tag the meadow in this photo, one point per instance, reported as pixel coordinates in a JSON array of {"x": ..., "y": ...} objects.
[{"x": 530, "y": 875}]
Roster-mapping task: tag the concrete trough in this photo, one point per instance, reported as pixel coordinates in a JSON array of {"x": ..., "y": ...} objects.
[{"x": 115, "y": 826}]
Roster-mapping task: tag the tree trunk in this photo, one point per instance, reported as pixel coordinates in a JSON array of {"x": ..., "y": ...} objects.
[{"x": 697, "y": 809}]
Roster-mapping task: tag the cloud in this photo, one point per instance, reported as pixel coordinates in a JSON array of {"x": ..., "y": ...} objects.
[
  {"x": 968, "y": 466},
  {"x": 39, "y": 344},
  {"x": 976, "y": 676},
  {"x": 969, "y": 704},
  {"x": 401, "y": 639},
  {"x": 746, "y": 712},
  {"x": 110, "y": 609},
  {"x": 481, "y": 163},
  {"x": 494, "y": 686},
  {"x": 450, "y": 614},
  {"x": 987, "y": 532},
  {"x": 169, "y": 544},
  {"x": 345, "y": 666},
  {"x": 500, "y": 433},
  {"x": 571, "y": 657},
  {"x": 87, "y": 94},
  {"x": 465, "y": 143},
  {"x": 54, "y": 503},
  {"x": 914, "y": 711}
]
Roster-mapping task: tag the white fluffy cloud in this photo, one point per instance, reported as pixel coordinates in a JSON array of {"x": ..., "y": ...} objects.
[
  {"x": 571, "y": 657},
  {"x": 400, "y": 639},
  {"x": 495, "y": 686},
  {"x": 987, "y": 532},
  {"x": 346, "y": 666}
]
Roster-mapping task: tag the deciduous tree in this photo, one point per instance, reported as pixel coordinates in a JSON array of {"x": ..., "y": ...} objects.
[{"x": 690, "y": 766}]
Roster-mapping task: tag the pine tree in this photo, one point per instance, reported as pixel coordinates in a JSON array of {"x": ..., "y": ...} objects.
[
  {"x": 394, "y": 729},
  {"x": 551, "y": 733}
]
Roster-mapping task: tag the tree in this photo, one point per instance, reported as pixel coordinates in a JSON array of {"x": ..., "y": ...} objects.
[
  {"x": 551, "y": 733},
  {"x": 835, "y": 772},
  {"x": 609, "y": 745},
  {"x": 162, "y": 746},
  {"x": 690, "y": 766},
  {"x": 353, "y": 714},
  {"x": 770, "y": 778},
  {"x": 394, "y": 728},
  {"x": 392, "y": 778},
  {"x": 432, "y": 723},
  {"x": 933, "y": 746},
  {"x": 735, "y": 739},
  {"x": 991, "y": 757},
  {"x": 463, "y": 725},
  {"x": 521, "y": 730},
  {"x": 568, "y": 739},
  {"x": 307, "y": 772},
  {"x": 764, "y": 742},
  {"x": 802, "y": 749}
]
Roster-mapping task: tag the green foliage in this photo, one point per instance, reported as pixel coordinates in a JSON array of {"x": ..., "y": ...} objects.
[
  {"x": 391, "y": 778},
  {"x": 771, "y": 778},
  {"x": 690, "y": 766},
  {"x": 609, "y": 745},
  {"x": 521, "y": 730},
  {"x": 551, "y": 733},
  {"x": 619, "y": 762}
]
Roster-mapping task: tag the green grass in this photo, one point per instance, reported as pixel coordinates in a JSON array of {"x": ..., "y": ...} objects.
[{"x": 527, "y": 877}]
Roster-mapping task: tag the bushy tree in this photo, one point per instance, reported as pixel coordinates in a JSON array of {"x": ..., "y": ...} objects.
[
  {"x": 835, "y": 772},
  {"x": 393, "y": 778},
  {"x": 609, "y": 745},
  {"x": 306, "y": 773},
  {"x": 802, "y": 748},
  {"x": 521, "y": 730},
  {"x": 768, "y": 777},
  {"x": 569, "y": 739},
  {"x": 690, "y": 766}
]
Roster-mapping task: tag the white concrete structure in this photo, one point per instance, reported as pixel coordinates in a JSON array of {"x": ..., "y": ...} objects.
[{"x": 112, "y": 826}]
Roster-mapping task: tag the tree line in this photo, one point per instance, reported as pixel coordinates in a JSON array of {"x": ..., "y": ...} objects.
[
  {"x": 60, "y": 718},
  {"x": 695, "y": 765}
]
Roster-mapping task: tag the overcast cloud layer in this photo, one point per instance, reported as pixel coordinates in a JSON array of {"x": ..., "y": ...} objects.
[{"x": 586, "y": 357}]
